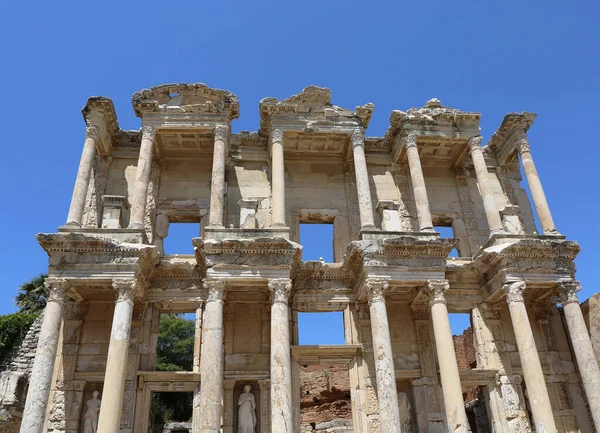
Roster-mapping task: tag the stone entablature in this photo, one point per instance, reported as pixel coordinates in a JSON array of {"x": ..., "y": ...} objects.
[{"x": 311, "y": 162}]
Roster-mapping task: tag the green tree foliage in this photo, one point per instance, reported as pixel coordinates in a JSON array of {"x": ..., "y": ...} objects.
[
  {"x": 32, "y": 295},
  {"x": 13, "y": 328},
  {"x": 174, "y": 352}
]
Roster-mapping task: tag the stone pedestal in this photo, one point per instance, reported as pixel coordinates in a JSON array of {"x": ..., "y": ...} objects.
[
  {"x": 113, "y": 210},
  {"x": 535, "y": 381},
  {"x": 40, "y": 380},
  {"x": 456, "y": 415},
  {"x": 277, "y": 179},
  {"x": 281, "y": 363},
  {"x": 418, "y": 183},
  {"x": 485, "y": 188},
  {"x": 116, "y": 362},
  {"x": 389, "y": 416},
  {"x": 142, "y": 179},
  {"x": 83, "y": 176},
  {"x": 211, "y": 363},
  {"x": 217, "y": 186},
  {"x": 365, "y": 205},
  {"x": 582, "y": 347}
]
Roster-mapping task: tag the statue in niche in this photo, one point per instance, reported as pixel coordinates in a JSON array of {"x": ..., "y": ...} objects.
[
  {"x": 246, "y": 412},
  {"x": 90, "y": 418},
  {"x": 404, "y": 409}
]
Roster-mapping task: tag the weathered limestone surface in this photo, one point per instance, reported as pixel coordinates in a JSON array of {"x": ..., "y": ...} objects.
[{"x": 248, "y": 193}]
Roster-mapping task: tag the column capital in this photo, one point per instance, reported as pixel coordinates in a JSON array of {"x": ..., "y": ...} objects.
[
  {"x": 514, "y": 291},
  {"x": 126, "y": 288},
  {"x": 276, "y": 135},
  {"x": 57, "y": 289},
  {"x": 521, "y": 141},
  {"x": 475, "y": 142},
  {"x": 92, "y": 131},
  {"x": 568, "y": 292},
  {"x": 221, "y": 132},
  {"x": 148, "y": 132},
  {"x": 375, "y": 289},
  {"x": 357, "y": 138},
  {"x": 216, "y": 289},
  {"x": 435, "y": 291},
  {"x": 410, "y": 141},
  {"x": 281, "y": 289}
]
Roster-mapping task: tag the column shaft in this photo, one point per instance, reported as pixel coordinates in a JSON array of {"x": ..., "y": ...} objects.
[
  {"x": 485, "y": 188},
  {"x": 211, "y": 359},
  {"x": 444, "y": 345},
  {"x": 109, "y": 420},
  {"x": 277, "y": 179},
  {"x": 84, "y": 174},
  {"x": 418, "y": 183},
  {"x": 40, "y": 381},
  {"x": 281, "y": 361},
  {"x": 217, "y": 186},
  {"x": 142, "y": 179},
  {"x": 365, "y": 204},
  {"x": 535, "y": 186},
  {"x": 535, "y": 381},
  {"x": 582, "y": 347},
  {"x": 387, "y": 395}
]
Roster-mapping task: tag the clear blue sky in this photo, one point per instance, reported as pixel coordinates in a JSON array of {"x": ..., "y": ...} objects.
[{"x": 491, "y": 57}]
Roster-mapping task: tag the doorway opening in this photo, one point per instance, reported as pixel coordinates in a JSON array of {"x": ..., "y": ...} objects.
[{"x": 171, "y": 412}]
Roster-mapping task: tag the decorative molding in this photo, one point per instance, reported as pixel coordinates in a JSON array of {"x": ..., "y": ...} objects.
[
  {"x": 475, "y": 142},
  {"x": 410, "y": 141},
  {"x": 281, "y": 289},
  {"x": 92, "y": 131},
  {"x": 357, "y": 138},
  {"x": 514, "y": 291}
]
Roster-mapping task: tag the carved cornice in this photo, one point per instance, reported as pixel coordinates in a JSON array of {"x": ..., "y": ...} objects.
[
  {"x": 436, "y": 290},
  {"x": 375, "y": 290},
  {"x": 216, "y": 289},
  {"x": 514, "y": 291},
  {"x": 148, "y": 132},
  {"x": 126, "y": 288},
  {"x": 568, "y": 292},
  {"x": 281, "y": 289},
  {"x": 221, "y": 132},
  {"x": 57, "y": 288}
]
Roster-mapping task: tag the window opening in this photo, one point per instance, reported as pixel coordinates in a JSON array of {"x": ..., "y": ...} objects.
[
  {"x": 321, "y": 328},
  {"x": 447, "y": 232},
  {"x": 175, "y": 344},
  {"x": 179, "y": 240},
  {"x": 317, "y": 242}
]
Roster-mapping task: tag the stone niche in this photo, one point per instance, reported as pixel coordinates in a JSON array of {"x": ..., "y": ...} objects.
[{"x": 238, "y": 389}]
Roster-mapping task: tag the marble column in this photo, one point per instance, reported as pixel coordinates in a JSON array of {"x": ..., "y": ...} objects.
[
  {"x": 40, "y": 380},
  {"x": 485, "y": 187},
  {"x": 142, "y": 179},
  {"x": 211, "y": 359},
  {"x": 535, "y": 380},
  {"x": 535, "y": 186},
  {"x": 365, "y": 204},
  {"x": 113, "y": 391},
  {"x": 418, "y": 183},
  {"x": 456, "y": 415},
  {"x": 387, "y": 396},
  {"x": 277, "y": 179},
  {"x": 281, "y": 362},
  {"x": 217, "y": 186},
  {"x": 582, "y": 347},
  {"x": 82, "y": 182}
]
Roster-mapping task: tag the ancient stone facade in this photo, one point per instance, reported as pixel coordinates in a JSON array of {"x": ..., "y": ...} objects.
[{"x": 310, "y": 162}]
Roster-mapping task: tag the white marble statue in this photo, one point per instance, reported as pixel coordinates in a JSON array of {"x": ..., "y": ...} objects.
[
  {"x": 90, "y": 419},
  {"x": 246, "y": 412},
  {"x": 404, "y": 409}
]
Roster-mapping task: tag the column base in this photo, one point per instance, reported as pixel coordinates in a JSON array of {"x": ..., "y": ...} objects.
[
  {"x": 499, "y": 232},
  {"x": 73, "y": 224},
  {"x": 552, "y": 232}
]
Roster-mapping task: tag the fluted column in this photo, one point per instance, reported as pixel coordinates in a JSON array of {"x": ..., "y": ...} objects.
[
  {"x": 365, "y": 204},
  {"x": 535, "y": 186},
  {"x": 211, "y": 358},
  {"x": 582, "y": 347},
  {"x": 387, "y": 395},
  {"x": 217, "y": 186},
  {"x": 485, "y": 187},
  {"x": 142, "y": 179},
  {"x": 281, "y": 361},
  {"x": 444, "y": 345},
  {"x": 40, "y": 381},
  {"x": 418, "y": 183},
  {"x": 530, "y": 360},
  {"x": 277, "y": 179},
  {"x": 82, "y": 182},
  {"x": 116, "y": 362}
]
